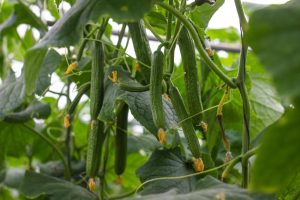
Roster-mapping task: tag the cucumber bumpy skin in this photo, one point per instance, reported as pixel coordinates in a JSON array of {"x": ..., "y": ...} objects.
[
  {"x": 97, "y": 80},
  {"x": 193, "y": 94},
  {"x": 94, "y": 150},
  {"x": 156, "y": 79},
  {"x": 186, "y": 123},
  {"x": 141, "y": 47},
  {"x": 97, "y": 135},
  {"x": 121, "y": 141}
]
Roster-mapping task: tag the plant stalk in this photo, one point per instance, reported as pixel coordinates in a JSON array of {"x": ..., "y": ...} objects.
[
  {"x": 241, "y": 84},
  {"x": 148, "y": 26},
  {"x": 121, "y": 35}
]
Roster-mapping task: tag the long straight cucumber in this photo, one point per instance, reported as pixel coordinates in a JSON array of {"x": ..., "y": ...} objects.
[
  {"x": 156, "y": 79},
  {"x": 97, "y": 135},
  {"x": 141, "y": 47},
  {"x": 121, "y": 141},
  {"x": 186, "y": 123},
  {"x": 97, "y": 77},
  {"x": 193, "y": 93}
]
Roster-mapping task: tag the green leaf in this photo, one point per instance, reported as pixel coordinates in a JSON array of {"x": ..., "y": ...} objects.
[
  {"x": 36, "y": 109},
  {"x": 201, "y": 15},
  {"x": 35, "y": 185},
  {"x": 209, "y": 188},
  {"x": 12, "y": 94},
  {"x": 22, "y": 15},
  {"x": 51, "y": 61},
  {"x": 53, "y": 8},
  {"x": 265, "y": 104},
  {"x": 164, "y": 163},
  {"x": 126, "y": 10},
  {"x": 67, "y": 30},
  {"x": 34, "y": 59},
  {"x": 14, "y": 138},
  {"x": 111, "y": 93},
  {"x": 279, "y": 153},
  {"x": 142, "y": 142},
  {"x": 279, "y": 149},
  {"x": 224, "y": 34},
  {"x": 157, "y": 21},
  {"x": 6, "y": 194},
  {"x": 278, "y": 23},
  {"x": 138, "y": 102},
  {"x": 56, "y": 168}
]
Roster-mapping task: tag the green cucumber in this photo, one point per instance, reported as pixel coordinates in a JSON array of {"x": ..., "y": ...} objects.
[
  {"x": 186, "y": 123},
  {"x": 97, "y": 134},
  {"x": 141, "y": 47},
  {"x": 156, "y": 79},
  {"x": 94, "y": 150},
  {"x": 193, "y": 93},
  {"x": 121, "y": 141},
  {"x": 97, "y": 83}
]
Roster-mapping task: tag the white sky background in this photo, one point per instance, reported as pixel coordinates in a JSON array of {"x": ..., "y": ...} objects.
[{"x": 226, "y": 16}]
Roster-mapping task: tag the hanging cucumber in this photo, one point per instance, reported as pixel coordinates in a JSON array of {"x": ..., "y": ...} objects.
[
  {"x": 141, "y": 47},
  {"x": 156, "y": 80},
  {"x": 96, "y": 136},
  {"x": 187, "y": 127},
  {"x": 94, "y": 150},
  {"x": 121, "y": 141},
  {"x": 193, "y": 93}
]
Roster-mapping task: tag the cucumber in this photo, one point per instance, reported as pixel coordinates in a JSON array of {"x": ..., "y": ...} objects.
[
  {"x": 94, "y": 150},
  {"x": 97, "y": 77},
  {"x": 186, "y": 123},
  {"x": 97, "y": 134},
  {"x": 121, "y": 141},
  {"x": 156, "y": 79},
  {"x": 141, "y": 47},
  {"x": 193, "y": 93}
]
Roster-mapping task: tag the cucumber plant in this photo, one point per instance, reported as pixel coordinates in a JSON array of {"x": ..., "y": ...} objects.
[{"x": 104, "y": 108}]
